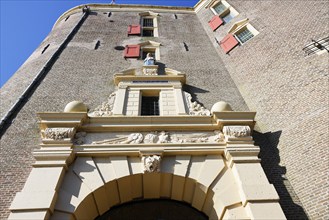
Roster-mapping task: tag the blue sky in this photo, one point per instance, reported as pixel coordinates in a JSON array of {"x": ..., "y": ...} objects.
[{"x": 25, "y": 23}]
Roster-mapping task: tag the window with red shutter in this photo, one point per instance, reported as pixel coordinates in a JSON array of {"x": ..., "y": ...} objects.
[
  {"x": 215, "y": 22},
  {"x": 228, "y": 43},
  {"x": 134, "y": 30},
  {"x": 132, "y": 51}
]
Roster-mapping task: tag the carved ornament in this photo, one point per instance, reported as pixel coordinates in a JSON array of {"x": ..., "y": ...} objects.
[
  {"x": 58, "y": 133},
  {"x": 79, "y": 138},
  {"x": 151, "y": 163},
  {"x": 106, "y": 109},
  {"x": 237, "y": 131},
  {"x": 164, "y": 137},
  {"x": 195, "y": 108}
]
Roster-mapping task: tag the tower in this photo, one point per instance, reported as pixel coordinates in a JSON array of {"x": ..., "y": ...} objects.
[{"x": 221, "y": 62}]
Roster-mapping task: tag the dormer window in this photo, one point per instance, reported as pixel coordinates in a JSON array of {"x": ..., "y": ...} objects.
[
  {"x": 224, "y": 11},
  {"x": 141, "y": 50},
  {"x": 149, "y": 24},
  {"x": 219, "y": 8},
  {"x": 244, "y": 35},
  {"x": 240, "y": 33}
]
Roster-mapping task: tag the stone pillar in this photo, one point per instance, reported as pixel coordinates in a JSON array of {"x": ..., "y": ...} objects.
[
  {"x": 258, "y": 196},
  {"x": 180, "y": 102},
  {"x": 119, "y": 103}
]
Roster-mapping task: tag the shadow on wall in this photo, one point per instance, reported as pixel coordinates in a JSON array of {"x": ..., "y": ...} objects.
[
  {"x": 193, "y": 90},
  {"x": 161, "y": 68},
  {"x": 269, "y": 153}
]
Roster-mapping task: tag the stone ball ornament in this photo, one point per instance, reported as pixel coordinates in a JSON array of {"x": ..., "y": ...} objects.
[
  {"x": 221, "y": 106},
  {"x": 75, "y": 106}
]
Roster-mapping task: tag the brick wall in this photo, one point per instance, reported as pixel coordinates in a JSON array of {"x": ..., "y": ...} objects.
[
  {"x": 289, "y": 91},
  {"x": 83, "y": 73}
]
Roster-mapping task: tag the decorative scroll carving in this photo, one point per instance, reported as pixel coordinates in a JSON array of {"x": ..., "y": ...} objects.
[
  {"x": 195, "y": 108},
  {"x": 164, "y": 137},
  {"x": 236, "y": 131},
  {"x": 58, "y": 133},
  {"x": 106, "y": 109},
  {"x": 151, "y": 163},
  {"x": 80, "y": 138}
]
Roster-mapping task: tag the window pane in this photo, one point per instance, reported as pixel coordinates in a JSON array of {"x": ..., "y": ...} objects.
[
  {"x": 219, "y": 8},
  {"x": 150, "y": 105},
  {"x": 148, "y": 33},
  {"x": 227, "y": 18},
  {"x": 144, "y": 53},
  {"x": 245, "y": 35},
  {"x": 148, "y": 22}
]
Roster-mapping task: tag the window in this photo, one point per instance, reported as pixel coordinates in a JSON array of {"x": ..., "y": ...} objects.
[
  {"x": 243, "y": 31},
  {"x": 244, "y": 35},
  {"x": 319, "y": 46},
  {"x": 148, "y": 27},
  {"x": 148, "y": 33},
  {"x": 219, "y": 8},
  {"x": 240, "y": 33},
  {"x": 140, "y": 50},
  {"x": 146, "y": 51},
  {"x": 224, "y": 10},
  {"x": 149, "y": 24},
  {"x": 150, "y": 47},
  {"x": 150, "y": 105},
  {"x": 227, "y": 18}
]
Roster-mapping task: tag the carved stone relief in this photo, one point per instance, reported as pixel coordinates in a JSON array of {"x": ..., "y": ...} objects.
[
  {"x": 106, "y": 109},
  {"x": 236, "y": 131},
  {"x": 151, "y": 163},
  {"x": 58, "y": 133},
  {"x": 151, "y": 138},
  {"x": 195, "y": 108},
  {"x": 79, "y": 138},
  {"x": 164, "y": 137}
]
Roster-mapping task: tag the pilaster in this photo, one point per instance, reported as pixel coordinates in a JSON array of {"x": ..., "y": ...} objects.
[
  {"x": 258, "y": 196},
  {"x": 38, "y": 197}
]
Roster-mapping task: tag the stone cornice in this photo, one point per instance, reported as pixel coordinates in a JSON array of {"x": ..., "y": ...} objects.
[
  {"x": 145, "y": 123},
  {"x": 124, "y": 7},
  {"x": 166, "y": 149}
]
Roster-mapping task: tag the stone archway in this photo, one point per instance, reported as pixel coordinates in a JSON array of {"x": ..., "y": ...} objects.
[
  {"x": 161, "y": 209},
  {"x": 93, "y": 185}
]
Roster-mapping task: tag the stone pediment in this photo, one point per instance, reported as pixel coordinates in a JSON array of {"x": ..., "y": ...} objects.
[
  {"x": 150, "y": 43},
  {"x": 148, "y": 13},
  {"x": 238, "y": 25}
]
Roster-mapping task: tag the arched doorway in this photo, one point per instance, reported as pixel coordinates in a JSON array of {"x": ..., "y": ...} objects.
[{"x": 153, "y": 209}]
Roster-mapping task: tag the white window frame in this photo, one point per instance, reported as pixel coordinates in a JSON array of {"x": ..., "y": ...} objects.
[
  {"x": 228, "y": 11},
  {"x": 151, "y": 46},
  {"x": 149, "y": 15},
  {"x": 240, "y": 26}
]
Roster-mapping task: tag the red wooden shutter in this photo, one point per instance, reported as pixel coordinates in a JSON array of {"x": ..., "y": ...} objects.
[
  {"x": 132, "y": 51},
  {"x": 215, "y": 22},
  {"x": 134, "y": 29},
  {"x": 228, "y": 43}
]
